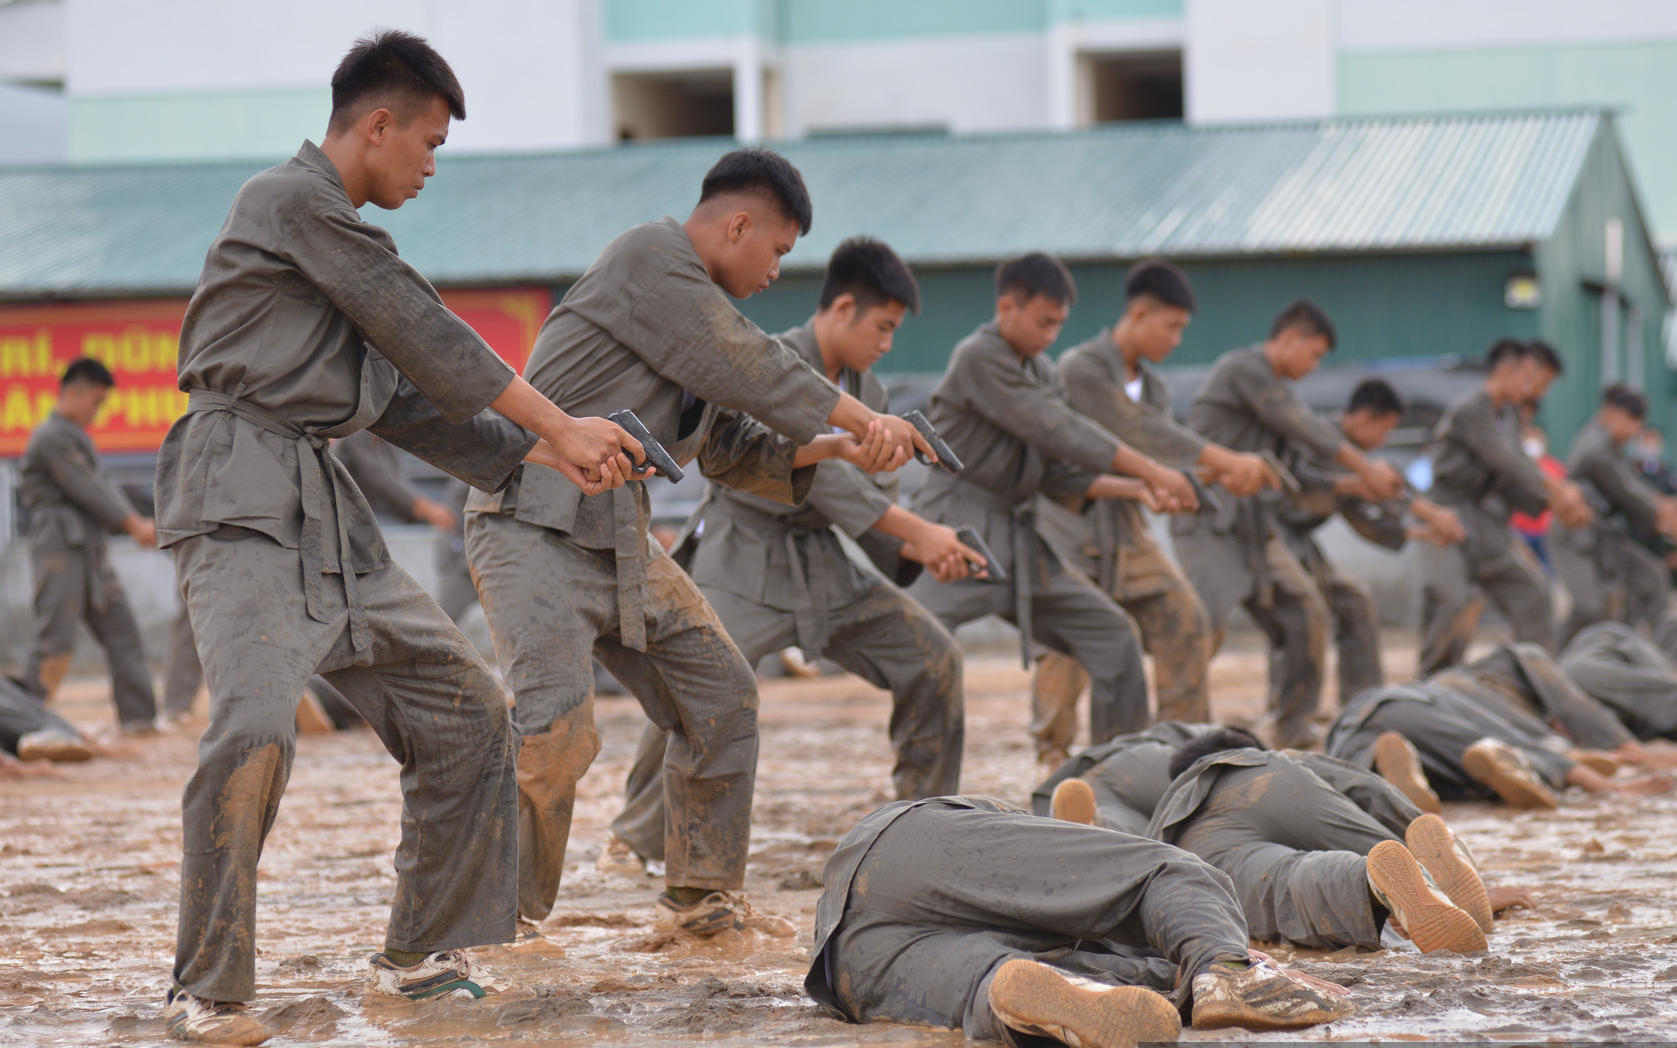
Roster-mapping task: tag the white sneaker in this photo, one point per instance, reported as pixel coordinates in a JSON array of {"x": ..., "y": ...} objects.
[
  {"x": 618, "y": 857},
  {"x": 718, "y": 912},
  {"x": 53, "y": 746},
  {"x": 1263, "y": 996},
  {"x": 189, "y": 1018},
  {"x": 446, "y": 973}
]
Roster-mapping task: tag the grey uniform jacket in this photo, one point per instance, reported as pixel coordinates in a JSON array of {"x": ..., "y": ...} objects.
[
  {"x": 644, "y": 327},
  {"x": 1618, "y": 493},
  {"x": 1480, "y": 471},
  {"x": 305, "y": 326},
  {"x": 1188, "y": 791},
  {"x": 72, "y": 503},
  {"x": 1093, "y": 373}
]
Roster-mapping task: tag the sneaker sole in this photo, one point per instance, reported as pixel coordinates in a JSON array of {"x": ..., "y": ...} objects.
[
  {"x": 1074, "y": 801},
  {"x": 1433, "y": 924},
  {"x": 1517, "y": 787},
  {"x": 1397, "y": 762},
  {"x": 1432, "y": 844},
  {"x": 1030, "y": 995}
]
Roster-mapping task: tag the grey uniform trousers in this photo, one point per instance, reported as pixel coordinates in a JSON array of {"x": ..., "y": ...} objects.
[
  {"x": 884, "y": 638},
  {"x": 1638, "y": 592},
  {"x": 1068, "y": 615},
  {"x": 552, "y": 609},
  {"x": 947, "y": 895},
  {"x": 75, "y": 585},
  {"x": 1295, "y": 849},
  {"x": 434, "y": 704},
  {"x": 1451, "y": 583},
  {"x": 1356, "y": 632},
  {"x": 1628, "y": 675},
  {"x": 183, "y": 671}
]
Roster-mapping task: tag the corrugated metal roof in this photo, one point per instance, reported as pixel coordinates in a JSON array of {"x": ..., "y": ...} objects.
[{"x": 1349, "y": 185}]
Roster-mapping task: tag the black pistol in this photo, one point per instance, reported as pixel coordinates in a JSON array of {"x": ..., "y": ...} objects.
[
  {"x": 970, "y": 538},
  {"x": 1209, "y": 501},
  {"x": 945, "y": 458},
  {"x": 655, "y": 453},
  {"x": 1289, "y": 483}
]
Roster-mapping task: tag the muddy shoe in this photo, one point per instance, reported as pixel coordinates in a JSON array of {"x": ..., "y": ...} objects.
[
  {"x": 189, "y": 1018},
  {"x": 446, "y": 973},
  {"x": 718, "y": 912},
  {"x": 55, "y": 746},
  {"x": 1451, "y": 866},
  {"x": 1263, "y": 996},
  {"x": 1432, "y": 921},
  {"x": 1074, "y": 801},
  {"x": 617, "y": 857},
  {"x": 1398, "y": 763},
  {"x": 1508, "y": 773},
  {"x": 1051, "y": 759},
  {"x": 1040, "y": 1001}
]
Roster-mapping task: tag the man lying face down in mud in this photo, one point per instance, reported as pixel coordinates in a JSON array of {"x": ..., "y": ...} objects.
[
  {"x": 1631, "y": 676},
  {"x": 34, "y": 740},
  {"x": 966, "y": 913}
]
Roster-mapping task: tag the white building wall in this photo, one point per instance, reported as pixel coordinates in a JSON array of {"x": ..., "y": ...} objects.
[{"x": 1272, "y": 60}]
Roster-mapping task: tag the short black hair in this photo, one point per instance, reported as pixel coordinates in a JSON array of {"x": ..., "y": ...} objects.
[
  {"x": 1502, "y": 349},
  {"x": 392, "y": 67},
  {"x": 1209, "y": 743},
  {"x": 1035, "y": 274},
  {"x": 1160, "y": 279},
  {"x": 88, "y": 371},
  {"x": 1545, "y": 355},
  {"x": 1304, "y": 316},
  {"x": 872, "y": 273},
  {"x": 1375, "y": 395},
  {"x": 1626, "y": 399},
  {"x": 764, "y": 173}
]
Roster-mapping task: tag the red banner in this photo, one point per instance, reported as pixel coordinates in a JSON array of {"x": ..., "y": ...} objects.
[{"x": 139, "y": 340}]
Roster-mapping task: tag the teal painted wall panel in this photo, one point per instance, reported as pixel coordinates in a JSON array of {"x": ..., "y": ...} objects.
[
  {"x": 1641, "y": 79},
  {"x": 628, "y": 21},
  {"x": 1111, "y": 10},
  {"x": 824, "y": 21},
  {"x": 222, "y": 126}
]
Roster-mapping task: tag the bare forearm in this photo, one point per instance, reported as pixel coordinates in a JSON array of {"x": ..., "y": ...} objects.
[
  {"x": 1107, "y": 486},
  {"x": 851, "y": 415},
  {"x": 1132, "y": 463},
  {"x": 899, "y": 523},
  {"x": 523, "y": 404},
  {"x": 820, "y": 449}
]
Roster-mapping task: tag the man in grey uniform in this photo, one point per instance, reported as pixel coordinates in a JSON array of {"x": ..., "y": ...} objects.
[
  {"x": 965, "y": 913},
  {"x": 1608, "y": 573},
  {"x": 306, "y": 326},
  {"x": 562, "y": 577},
  {"x": 777, "y": 575},
  {"x": 1480, "y": 472},
  {"x": 72, "y": 503},
  {"x": 1247, "y": 403},
  {"x": 1620, "y": 669},
  {"x": 1126, "y": 775},
  {"x": 1002, "y": 408},
  {"x": 1113, "y": 379}
]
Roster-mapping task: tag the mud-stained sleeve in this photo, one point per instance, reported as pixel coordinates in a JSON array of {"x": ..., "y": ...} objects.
[
  {"x": 1067, "y": 484},
  {"x": 1009, "y": 396},
  {"x": 1316, "y": 483},
  {"x": 77, "y": 474},
  {"x": 483, "y": 451},
  {"x": 687, "y": 330},
  {"x": 1624, "y": 489},
  {"x": 746, "y": 455},
  {"x": 354, "y": 263},
  {"x": 1518, "y": 479},
  {"x": 1385, "y": 524},
  {"x": 1279, "y": 409},
  {"x": 848, "y": 497},
  {"x": 1142, "y": 426},
  {"x": 387, "y": 491}
]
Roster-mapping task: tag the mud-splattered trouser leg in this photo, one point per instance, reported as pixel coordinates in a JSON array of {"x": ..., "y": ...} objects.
[
  {"x": 64, "y": 578},
  {"x": 552, "y": 608},
  {"x": 1296, "y": 622},
  {"x": 884, "y": 638},
  {"x": 184, "y": 671},
  {"x": 1294, "y": 848},
  {"x": 1383, "y": 802},
  {"x": 22, "y": 713},
  {"x": 942, "y": 900},
  {"x": 434, "y": 704},
  {"x": 1451, "y": 606},
  {"x": 1356, "y": 633}
]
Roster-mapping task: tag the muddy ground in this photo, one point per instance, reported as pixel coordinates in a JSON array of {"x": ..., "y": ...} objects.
[{"x": 89, "y": 878}]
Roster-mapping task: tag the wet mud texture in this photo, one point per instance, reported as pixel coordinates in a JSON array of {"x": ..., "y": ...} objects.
[{"x": 89, "y": 879}]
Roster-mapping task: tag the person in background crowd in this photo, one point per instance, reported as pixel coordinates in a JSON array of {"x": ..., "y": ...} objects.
[{"x": 1534, "y": 529}]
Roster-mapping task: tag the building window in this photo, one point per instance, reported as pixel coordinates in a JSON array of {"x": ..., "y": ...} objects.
[
  {"x": 1129, "y": 86},
  {"x": 673, "y": 105}
]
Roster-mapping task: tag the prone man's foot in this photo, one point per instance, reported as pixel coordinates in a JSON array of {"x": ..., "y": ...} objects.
[
  {"x": 446, "y": 973},
  {"x": 56, "y": 746},
  {"x": 619, "y": 857},
  {"x": 1396, "y": 760},
  {"x": 715, "y": 912},
  {"x": 1042, "y": 1001},
  {"x": 1508, "y": 773},
  {"x": 1451, "y": 866},
  {"x": 1074, "y": 801},
  {"x": 1263, "y": 996},
  {"x": 1432, "y": 921},
  {"x": 1603, "y": 764},
  {"x": 189, "y": 1018}
]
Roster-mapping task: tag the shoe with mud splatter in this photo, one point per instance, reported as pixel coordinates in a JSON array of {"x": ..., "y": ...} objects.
[
  {"x": 446, "y": 973},
  {"x": 1263, "y": 996},
  {"x": 189, "y": 1018},
  {"x": 56, "y": 746},
  {"x": 619, "y": 857},
  {"x": 1040, "y": 1001},
  {"x": 1508, "y": 773},
  {"x": 1432, "y": 922},
  {"x": 718, "y": 912},
  {"x": 1396, "y": 760},
  {"x": 1074, "y": 801},
  {"x": 1451, "y": 865}
]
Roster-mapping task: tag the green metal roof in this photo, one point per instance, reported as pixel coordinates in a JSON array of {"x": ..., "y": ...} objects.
[{"x": 1348, "y": 185}]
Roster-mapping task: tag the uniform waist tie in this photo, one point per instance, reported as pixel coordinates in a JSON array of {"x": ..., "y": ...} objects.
[
  {"x": 813, "y": 628},
  {"x": 1024, "y": 572},
  {"x": 629, "y": 522},
  {"x": 321, "y": 487}
]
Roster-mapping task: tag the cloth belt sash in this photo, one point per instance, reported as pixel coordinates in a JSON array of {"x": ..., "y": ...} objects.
[
  {"x": 630, "y": 516},
  {"x": 801, "y": 541},
  {"x": 1022, "y": 517}
]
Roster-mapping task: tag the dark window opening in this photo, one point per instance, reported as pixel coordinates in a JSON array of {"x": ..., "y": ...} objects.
[
  {"x": 673, "y": 105},
  {"x": 1146, "y": 86}
]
